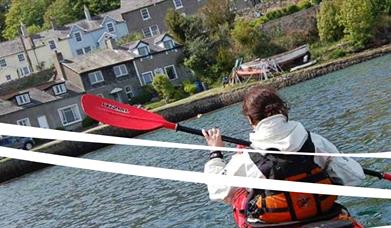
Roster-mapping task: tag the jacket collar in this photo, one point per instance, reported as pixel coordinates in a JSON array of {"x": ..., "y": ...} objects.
[{"x": 277, "y": 132}]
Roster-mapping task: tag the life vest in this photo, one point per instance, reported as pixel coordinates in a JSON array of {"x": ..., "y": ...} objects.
[{"x": 276, "y": 206}]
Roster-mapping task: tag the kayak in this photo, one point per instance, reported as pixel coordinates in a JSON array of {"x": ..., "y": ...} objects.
[{"x": 337, "y": 218}]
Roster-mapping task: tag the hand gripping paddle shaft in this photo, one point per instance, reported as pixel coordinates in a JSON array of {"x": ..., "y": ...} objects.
[{"x": 129, "y": 117}]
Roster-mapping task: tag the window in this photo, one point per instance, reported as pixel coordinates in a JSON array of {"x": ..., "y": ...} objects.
[
  {"x": 151, "y": 31},
  {"x": 52, "y": 44},
  {"x": 95, "y": 77},
  {"x": 69, "y": 115},
  {"x": 78, "y": 36},
  {"x": 24, "y": 71},
  {"x": 23, "y": 99},
  {"x": 129, "y": 92},
  {"x": 8, "y": 77},
  {"x": 83, "y": 51},
  {"x": 3, "y": 63},
  {"x": 143, "y": 51},
  {"x": 147, "y": 77},
  {"x": 171, "y": 72},
  {"x": 178, "y": 4},
  {"x": 87, "y": 49},
  {"x": 168, "y": 44},
  {"x": 21, "y": 57},
  {"x": 147, "y": 32},
  {"x": 145, "y": 14},
  {"x": 110, "y": 27},
  {"x": 120, "y": 70},
  {"x": 154, "y": 30},
  {"x": 24, "y": 122},
  {"x": 59, "y": 89},
  {"x": 79, "y": 52}
]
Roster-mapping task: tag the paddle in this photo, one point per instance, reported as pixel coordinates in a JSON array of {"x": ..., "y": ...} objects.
[{"x": 129, "y": 117}]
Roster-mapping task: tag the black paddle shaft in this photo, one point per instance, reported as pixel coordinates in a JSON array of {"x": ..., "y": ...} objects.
[
  {"x": 223, "y": 137},
  {"x": 247, "y": 143}
]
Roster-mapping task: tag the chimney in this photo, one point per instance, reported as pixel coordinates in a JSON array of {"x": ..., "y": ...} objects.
[
  {"x": 23, "y": 29},
  {"x": 87, "y": 13},
  {"x": 111, "y": 44},
  {"x": 58, "y": 58}
]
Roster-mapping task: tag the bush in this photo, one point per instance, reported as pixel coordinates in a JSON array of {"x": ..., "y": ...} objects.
[
  {"x": 327, "y": 22},
  {"x": 304, "y": 4},
  {"x": 163, "y": 86},
  {"x": 144, "y": 96},
  {"x": 338, "y": 53},
  {"x": 291, "y": 9},
  {"x": 88, "y": 122},
  {"x": 189, "y": 87}
]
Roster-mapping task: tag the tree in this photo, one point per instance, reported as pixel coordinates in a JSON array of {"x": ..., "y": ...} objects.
[
  {"x": 357, "y": 17},
  {"x": 4, "y": 5},
  {"x": 216, "y": 13},
  {"x": 327, "y": 22},
  {"x": 183, "y": 28},
  {"x": 60, "y": 13},
  {"x": 164, "y": 87},
  {"x": 26, "y": 11}
]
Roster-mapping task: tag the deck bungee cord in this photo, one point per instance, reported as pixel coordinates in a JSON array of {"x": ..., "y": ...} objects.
[
  {"x": 42, "y": 133},
  {"x": 194, "y": 177}
]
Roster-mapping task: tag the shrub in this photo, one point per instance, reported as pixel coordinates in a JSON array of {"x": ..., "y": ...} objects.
[
  {"x": 292, "y": 9},
  {"x": 328, "y": 25},
  {"x": 88, "y": 121},
  {"x": 163, "y": 86},
  {"x": 304, "y": 4},
  {"x": 189, "y": 87},
  {"x": 358, "y": 20},
  {"x": 337, "y": 53}
]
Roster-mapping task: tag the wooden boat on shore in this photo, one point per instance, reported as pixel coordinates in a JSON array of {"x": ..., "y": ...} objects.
[{"x": 283, "y": 61}]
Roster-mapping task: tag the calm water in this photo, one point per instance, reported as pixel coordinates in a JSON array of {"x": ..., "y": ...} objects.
[{"x": 351, "y": 107}]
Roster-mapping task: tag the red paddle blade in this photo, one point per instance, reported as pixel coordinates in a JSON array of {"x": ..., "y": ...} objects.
[{"x": 122, "y": 115}]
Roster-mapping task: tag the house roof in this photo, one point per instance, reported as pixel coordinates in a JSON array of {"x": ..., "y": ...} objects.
[
  {"x": 107, "y": 57},
  {"x": 38, "y": 96},
  {"x": 10, "y": 47},
  {"x": 98, "y": 59},
  {"x": 131, "y": 5},
  {"x": 86, "y": 25}
]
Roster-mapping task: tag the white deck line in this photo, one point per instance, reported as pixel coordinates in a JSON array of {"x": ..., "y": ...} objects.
[
  {"x": 193, "y": 177},
  {"x": 34, "y": 132}
]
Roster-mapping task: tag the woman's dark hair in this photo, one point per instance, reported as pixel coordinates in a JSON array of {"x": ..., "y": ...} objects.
[{"x": 261, "y": 102}]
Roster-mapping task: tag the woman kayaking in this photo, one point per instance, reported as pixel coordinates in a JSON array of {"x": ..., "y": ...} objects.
[{"x": 268, "y": 116}]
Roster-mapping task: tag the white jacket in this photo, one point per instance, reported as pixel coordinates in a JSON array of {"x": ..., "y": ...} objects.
[{"x": 276, "y": 132}]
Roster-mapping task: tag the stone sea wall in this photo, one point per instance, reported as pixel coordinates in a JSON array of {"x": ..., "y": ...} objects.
[{"x": 14, "y": 168}]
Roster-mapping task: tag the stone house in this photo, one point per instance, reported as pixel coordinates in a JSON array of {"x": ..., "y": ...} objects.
[
  {"x": 55, "y": 104},
  {"x": 147, "y": 17},
  {"x": 119, "y": 72}
]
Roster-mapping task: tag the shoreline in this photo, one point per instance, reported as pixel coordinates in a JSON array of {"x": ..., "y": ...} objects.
[{"x": 185, "y": 109}]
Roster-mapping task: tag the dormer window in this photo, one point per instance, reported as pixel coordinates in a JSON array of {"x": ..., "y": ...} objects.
[
  {"x": 168, "y": 44},
  {"x": 143, "y": 51},
  {"x": 59, "y": 89},
  {"x": 110, "y": 27},
  {"x": 78, "y": 36},
  {"x": 23, "y": 99}
]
